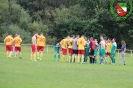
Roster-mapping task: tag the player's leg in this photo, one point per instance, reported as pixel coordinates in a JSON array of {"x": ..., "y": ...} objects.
[
  {"x": 69, "y": 55},
  {"x": 121, "y": 59},
  {"x": 124, "y": 59},
  {"x": 10, "y": 51},
  {"x": 79, "y": 54},
  {"x": 76, "y": 56},
  {"x": 64, "y": 52},
  {"x": 20, "y": 53},
  {"x": 38, "y": 52},
  {"x": 73, "y": 56},
  {"x": 58, "y": 56},
  {"x": 82, "y": 58},
  {"x": 41, "y": 52},
  {"x": 55, "y": 55}
]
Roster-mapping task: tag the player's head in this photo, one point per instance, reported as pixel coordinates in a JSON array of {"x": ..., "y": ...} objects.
[
  {"x": 113, "y": 40},
  {"x": 41, "y": 33},
  {"x": 123, "y": 43},
  {"x": 9, "y": 34},
  {"x": 16, "y": 35},
  {"x": 35, "y": 34},
  {"x": 72, "y": 36},
  {"x": 77, "y": 36},
  {"x": 101, "y": 37},
  {"x": 68, "y": 37},
  {"x": 109, "y": 40},
  {"x": 88, "y": 40},
  {"x": 105, "y": 38},
  {"x": 91, "y": 38},
  {"x": 85, "y": 38},
  {"x": 82, "y": 36},
  {"x": 95, "y": 40}
]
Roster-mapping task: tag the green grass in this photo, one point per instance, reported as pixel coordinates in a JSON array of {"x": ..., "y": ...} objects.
[{"x": 23, "y": 73}]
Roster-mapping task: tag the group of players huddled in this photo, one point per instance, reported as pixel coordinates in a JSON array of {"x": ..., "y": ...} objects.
[
  {"x": 37, "y": 47},
  {"x": 81, "y": 49}
]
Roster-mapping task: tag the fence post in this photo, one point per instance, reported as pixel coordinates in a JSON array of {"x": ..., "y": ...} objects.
[
  {"x": 131, "y": 53},
  {"x": 47, "y": 49}
]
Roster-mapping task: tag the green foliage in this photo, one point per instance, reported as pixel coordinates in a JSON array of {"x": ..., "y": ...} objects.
[{"x": 59, "y": 18}]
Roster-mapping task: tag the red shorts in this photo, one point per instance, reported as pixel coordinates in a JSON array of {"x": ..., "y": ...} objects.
[
  {"x": 81, "y": 52},
  {"x": 107, "y": 54},
  {"x": 18, "y": 49},
  {"x": 40, "y": 48},
  {"x": 33, "y": 48},
  {"x": 8, "y": 47},
  {"x": 64, "y": 51},
  {"x": 70, "y": 50}
]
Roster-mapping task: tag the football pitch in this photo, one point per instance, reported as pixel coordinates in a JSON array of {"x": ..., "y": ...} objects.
[{"x": 23, "y": 73}]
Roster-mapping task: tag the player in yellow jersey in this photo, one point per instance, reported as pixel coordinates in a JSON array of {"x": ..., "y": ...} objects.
[
  {"x": 108, "y": 49},
  {"x": 8, "y": 41},
  {"x": 81, "y": 47},
  {"x": 64, "y": 44},
  {"x": 41, "y": 42},
  {"x": 17, "y": 42},
  {"x": 70, "y": 47},
  {"x": 34, "y": 47}
]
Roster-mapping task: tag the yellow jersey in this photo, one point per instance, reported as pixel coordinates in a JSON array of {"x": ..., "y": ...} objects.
[
  {"x": 81, "y": 44},
  {"x": 109, "y": 46},
  {"x": 8, "y": 40},
  {"x": 41, "y": 40},
  {"x": 17, "y": 41},
  {"x": 70, "y": 43},
  {"x": 64, "y": 43}
]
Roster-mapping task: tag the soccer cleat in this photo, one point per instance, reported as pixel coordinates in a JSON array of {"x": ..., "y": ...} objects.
[{"x": 9, "y": 58}]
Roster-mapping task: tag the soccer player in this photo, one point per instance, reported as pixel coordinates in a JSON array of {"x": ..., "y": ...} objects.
[
  {"x": 86, "y": 50},
  {"x": 108, "y": 49},
  {"x": 113, "y": 50},
  {"x": 91, "y": 50},
  {"x": 8, "y": 41},
  {"x": 81, "y": 47},
  {"x": 17, "y": 42},
  {"x": 75, "y": 49},
  {"x": 70, "y": 47},
  {"x": 41, "y": 42},
  {"x": 95, "y": 50},
  {"x": 34, "y": 47},
  {"x": 57, "y": 51},
  {"x": 63, "y": 44},
  {"x": 102, "y": 49},
  {"x": 123, "y": 48}
]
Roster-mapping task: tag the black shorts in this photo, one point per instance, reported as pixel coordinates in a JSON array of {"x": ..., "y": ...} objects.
[
  {"x": 92, "y": 52},
  {"x": 75, "y": 51}
]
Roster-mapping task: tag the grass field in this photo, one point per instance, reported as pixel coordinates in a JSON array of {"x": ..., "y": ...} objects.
[{"x": 23, "y": 73}]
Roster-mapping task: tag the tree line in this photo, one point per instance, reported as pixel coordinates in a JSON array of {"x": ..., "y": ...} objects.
[{"x": 59, "y": 18}]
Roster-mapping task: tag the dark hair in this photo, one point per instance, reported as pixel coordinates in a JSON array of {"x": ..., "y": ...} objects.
[{"x": 114, "y": 39}]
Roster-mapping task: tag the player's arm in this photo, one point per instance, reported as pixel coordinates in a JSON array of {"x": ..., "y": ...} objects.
[{"x": 102, "y": 45}]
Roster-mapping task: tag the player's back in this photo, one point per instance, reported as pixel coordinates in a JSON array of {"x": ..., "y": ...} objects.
[
  {"x": 81, "y": 43},
  {"x": 8, "y": 40},
  {"x": 17, "y": 41},
  {"x": 109, "y": 45},
  {"x": 64, "y": 43},
  {"x": 41, "y": 41},
  {"x": 75, "y": 46}
]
